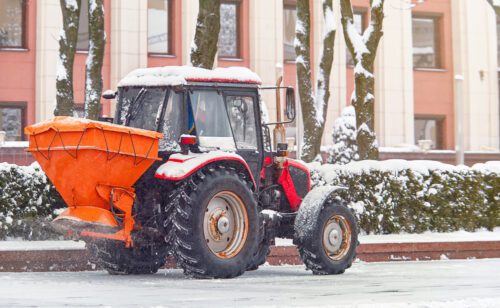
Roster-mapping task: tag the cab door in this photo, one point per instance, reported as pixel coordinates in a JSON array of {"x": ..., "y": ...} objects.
[{"x": 242, "y": 112}]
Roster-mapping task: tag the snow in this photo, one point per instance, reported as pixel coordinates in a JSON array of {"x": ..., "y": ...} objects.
[
  {"x": 71, "y": 5},
  {"x": 61, "y": 72},
  {"x": 40, "y": 245},
  {"x": 15, "y": 144},
  {"x": 179, "y": 75},
  {"x": 344, "y": 148},
  {"x": 465, "y": 283},
  {"x": 109, "y": 92},
  {"x": 310, "y": 208},
  {"x": 179, "y": 165},
  {"x": 398, "y": 165}
]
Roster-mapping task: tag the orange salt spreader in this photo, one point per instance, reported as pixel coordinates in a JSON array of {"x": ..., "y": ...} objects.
[{"x": 93, "y": 165}]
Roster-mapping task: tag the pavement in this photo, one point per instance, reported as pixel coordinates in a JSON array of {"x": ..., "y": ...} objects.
[{"x": 448, "y": 283}]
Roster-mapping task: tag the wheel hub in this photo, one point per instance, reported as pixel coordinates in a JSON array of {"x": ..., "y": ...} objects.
[
  {"x": 336, "y": 237},
  {"x": 225, "y": 224}
]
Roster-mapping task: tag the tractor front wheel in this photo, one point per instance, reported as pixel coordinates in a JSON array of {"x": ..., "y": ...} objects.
[
  {"x": 216, "y": 224},
  {"x": 327, "y": 242}
]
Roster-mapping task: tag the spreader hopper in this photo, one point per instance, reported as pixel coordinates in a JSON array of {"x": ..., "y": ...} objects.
[{"x": 93, "y": 165}]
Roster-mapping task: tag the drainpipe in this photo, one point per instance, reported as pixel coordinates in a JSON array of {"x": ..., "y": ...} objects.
[{"x": 459, "y": 119}]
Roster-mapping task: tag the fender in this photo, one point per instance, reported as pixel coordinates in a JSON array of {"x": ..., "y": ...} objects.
[
  {"x": 288, "y": 185},
  {"x": 179, "y": 166},
  {"x": 310, "y": 209}
]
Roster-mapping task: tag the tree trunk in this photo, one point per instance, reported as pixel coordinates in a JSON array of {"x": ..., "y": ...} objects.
[
  {"x": 95, "y": 58},
  {"x": 364, "y": 53},
  {"x": 314, "y": 105},
  {"x": 206, "y": 36},
  {"x": 67, "y": 47},
  {"x": 496, "y": 7}
]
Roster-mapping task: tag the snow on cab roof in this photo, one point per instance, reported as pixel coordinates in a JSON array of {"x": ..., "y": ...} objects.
[{"x": 179, "y": 75}]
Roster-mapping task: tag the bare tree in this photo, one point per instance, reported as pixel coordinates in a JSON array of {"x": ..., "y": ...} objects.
[
  {"x": 67, "y": 47},
  {"x": 363, "y": 48},
  {"x": 95, "y": 58},
  {"x": 206, "y": 36},
  {"x": 496, "y": 5},
  {"x": 314, "y": 104}
]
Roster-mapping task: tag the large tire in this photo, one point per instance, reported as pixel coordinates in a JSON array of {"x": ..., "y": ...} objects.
[
  {"x": 115, "y": 258},
  {"x": 328, "y": 243},
  {"x": 216, "y": 224},
  {"x": 260, "y": 256}
]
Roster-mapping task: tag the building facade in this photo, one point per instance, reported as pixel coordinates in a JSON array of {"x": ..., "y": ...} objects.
[{"x": 436, "y": 68}]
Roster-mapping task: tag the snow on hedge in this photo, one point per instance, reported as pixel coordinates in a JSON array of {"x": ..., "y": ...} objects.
[
  {"x": 397, "y": 196},
  {"x": 28, "y": 202},
  {"x": 345, "y": 147}
]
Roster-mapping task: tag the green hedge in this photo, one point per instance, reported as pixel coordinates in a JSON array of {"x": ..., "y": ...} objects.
[
  {"x": 401, "y": 196},
  {"x": 28, "y": 202},
  {"x": 388, "y": 197}
]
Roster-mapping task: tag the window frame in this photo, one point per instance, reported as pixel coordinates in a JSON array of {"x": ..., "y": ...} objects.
[
  {"x": 170, "y": 34},
  {"x": 24, "y": 37},
  {"x": 18, "y": 105},
  {"x": 440, "y": 125},
  {"x": 438, "y": 33},
  {"x": 239, "y": 29},
  {"x": 364, "y": 24},
  {"x": 288, "y": 4}
]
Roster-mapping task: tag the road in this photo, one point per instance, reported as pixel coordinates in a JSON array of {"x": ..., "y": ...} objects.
[{"x": 465, "y": 283}]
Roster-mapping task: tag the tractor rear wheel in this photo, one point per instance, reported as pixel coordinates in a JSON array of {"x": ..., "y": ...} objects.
[
  {"x": 328, "y": 243},
  {"x": 116, "y": 259},
  {"x": 216, "y": 224}
]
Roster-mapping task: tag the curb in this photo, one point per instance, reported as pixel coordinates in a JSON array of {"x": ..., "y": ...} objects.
[{"x": 77, "y": 259}]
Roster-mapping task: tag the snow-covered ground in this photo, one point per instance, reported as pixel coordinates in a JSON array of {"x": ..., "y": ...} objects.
[
  {"x": 426, "y": 237},
  {"x": 468, "y": 283}
]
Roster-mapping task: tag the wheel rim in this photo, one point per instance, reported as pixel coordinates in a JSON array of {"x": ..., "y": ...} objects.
[
  {"x": 336, "y": 237},
  {"x": 225, "y": 224}
]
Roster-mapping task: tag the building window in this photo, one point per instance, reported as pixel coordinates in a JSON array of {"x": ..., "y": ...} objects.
[
  {"x": 12, "y": 23},
  {"x": 425, "y": 42},
  {"x": 429, "y": 128},
  {"x": 289, "y": 21},
  {"x": 358, "y": 19},
  {"x": 83, "y": 27},
  {"x": 12, "y": 121},
  {"x": 229, "y": 36},
  {"x": 159, "y": 26}
]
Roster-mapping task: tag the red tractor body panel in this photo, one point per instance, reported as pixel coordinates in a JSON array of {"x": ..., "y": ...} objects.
[{"x": 179, "y": 166}]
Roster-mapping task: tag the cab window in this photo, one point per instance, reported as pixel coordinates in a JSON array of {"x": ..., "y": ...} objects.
[
  {"x": 211, "y": 122},
  {"x": 240, "y": 110}
]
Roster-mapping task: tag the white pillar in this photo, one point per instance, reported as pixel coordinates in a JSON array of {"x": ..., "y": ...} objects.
[
  {"x": 266, "y": 45},
  {"x": 129, "y": 39},
  {"x": 189, "y": 18},
  {"x": 48, "y": 28},
  {"x": 475, "y": 57},
  {"x": 394, "y": 112}
]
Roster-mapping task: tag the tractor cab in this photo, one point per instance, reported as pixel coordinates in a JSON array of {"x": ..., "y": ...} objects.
[{"x": 211, "y": 112}]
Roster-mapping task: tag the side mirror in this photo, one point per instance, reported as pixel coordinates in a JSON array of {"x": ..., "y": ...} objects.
[
  {"x": 290, "y": 104},
  {"x": 106, "y": 119},
  {"x": 109, "y": 94}
]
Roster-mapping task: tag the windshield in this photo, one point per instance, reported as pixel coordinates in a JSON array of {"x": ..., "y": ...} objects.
[{"x": 142, "y": 108}]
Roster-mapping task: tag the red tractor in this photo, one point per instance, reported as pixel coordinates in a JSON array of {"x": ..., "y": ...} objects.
[{"x": 188, "y": 169}]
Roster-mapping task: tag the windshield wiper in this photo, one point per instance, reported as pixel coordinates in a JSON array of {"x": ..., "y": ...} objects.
[{"x": 132, "y": 110}]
